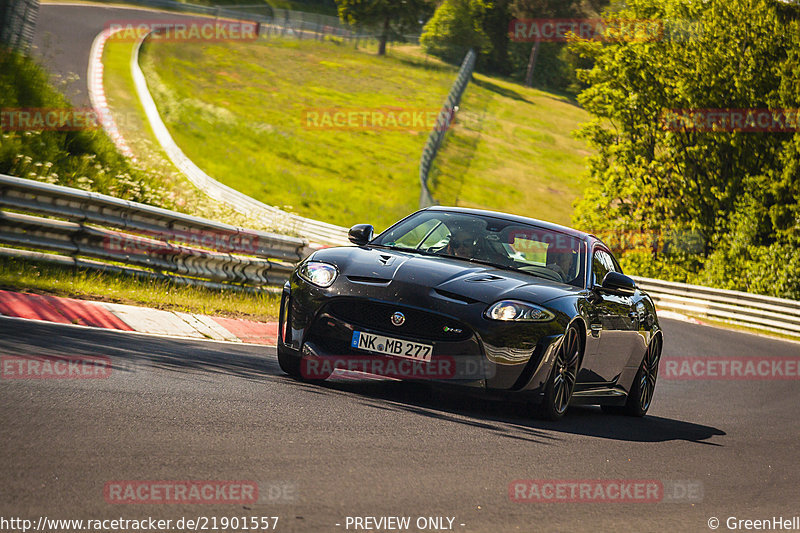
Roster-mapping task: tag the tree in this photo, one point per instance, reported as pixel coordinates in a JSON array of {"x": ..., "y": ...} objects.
[
  {"x": 737, "y": 190},
  {"x": 455, "y": 27},
  {"x": 390, "y": 16},
  {"x": 560, "y": 65},
  {"x": 495, "y": 25}
]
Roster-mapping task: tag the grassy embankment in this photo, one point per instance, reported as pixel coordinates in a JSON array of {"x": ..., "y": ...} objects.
[{"x": 237, "y": 109}]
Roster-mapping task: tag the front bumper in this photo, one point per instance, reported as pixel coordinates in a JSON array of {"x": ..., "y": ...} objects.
[{"x": 319, "y": 323}]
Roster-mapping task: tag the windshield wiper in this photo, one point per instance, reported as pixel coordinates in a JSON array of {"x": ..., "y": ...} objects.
[
  {"x": 403, "y": 249},
  {"x": 435, "y": 254},
  {"x": 499, "y": 267},
  {"x": 480, "y": 261}
]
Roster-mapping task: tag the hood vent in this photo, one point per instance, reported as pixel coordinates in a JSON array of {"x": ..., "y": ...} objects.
[
  {"x": 454, "y": 296},
  {"x": 368, "y": 279},
  {"x": 485, "y": 277}
]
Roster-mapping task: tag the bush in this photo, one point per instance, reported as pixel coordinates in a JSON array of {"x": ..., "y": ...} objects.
[
  {"x": 455, "y": 28},
  {"x": 86, "y": 159}
]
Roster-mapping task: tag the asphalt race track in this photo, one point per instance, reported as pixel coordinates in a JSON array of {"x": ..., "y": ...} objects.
[
  {"x": 196, "y": 410},
  {"x": 64, "y": 36}
]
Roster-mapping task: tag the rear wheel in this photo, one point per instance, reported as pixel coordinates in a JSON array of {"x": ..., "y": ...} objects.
[
  {"x": 561, "y": 384},
  {"x": 644, "y": 385}
]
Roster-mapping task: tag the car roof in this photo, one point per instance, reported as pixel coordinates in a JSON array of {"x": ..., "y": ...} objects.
[{"x": 517, "y": 218}]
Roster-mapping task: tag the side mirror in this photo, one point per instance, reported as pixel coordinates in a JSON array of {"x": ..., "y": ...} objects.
[
  {"x": 619, "y": 284},
  {"x": 360, "y": 234}
]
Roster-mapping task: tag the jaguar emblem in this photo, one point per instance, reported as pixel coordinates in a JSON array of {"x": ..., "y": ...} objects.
[{"x": 398, "y": 318}]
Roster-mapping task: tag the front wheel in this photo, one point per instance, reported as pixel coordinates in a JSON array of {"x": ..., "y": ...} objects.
[
  {"x": 303, "y": 368},
  {"x": 289, "y": 363},
  {"x": 561, "y": 383}
]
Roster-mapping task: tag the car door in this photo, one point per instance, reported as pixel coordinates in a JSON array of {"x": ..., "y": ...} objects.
[{"x": 612, "y": 323}]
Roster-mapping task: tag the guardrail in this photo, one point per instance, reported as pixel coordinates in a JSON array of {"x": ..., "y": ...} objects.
[
  {"x": 766, "y": 313},
  {"x": 128, "y": 233},
  {"x": 442, "y": 125},
  {"x": 18, "y": 23}
]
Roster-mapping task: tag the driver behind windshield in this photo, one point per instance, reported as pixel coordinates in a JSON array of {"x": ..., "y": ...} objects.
[
  {"x": 462, "y": 244},
  {"x": 561, "y": 262}
]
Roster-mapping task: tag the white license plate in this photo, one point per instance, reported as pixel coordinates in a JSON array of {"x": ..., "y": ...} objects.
[{"x": 390, "y": 346}]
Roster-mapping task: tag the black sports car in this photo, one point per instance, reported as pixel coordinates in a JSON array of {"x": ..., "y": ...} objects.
[{"x": 483, "y": 299}]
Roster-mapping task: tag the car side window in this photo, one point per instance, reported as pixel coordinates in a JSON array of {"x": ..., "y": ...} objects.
[{"x": 602, "y": 264}]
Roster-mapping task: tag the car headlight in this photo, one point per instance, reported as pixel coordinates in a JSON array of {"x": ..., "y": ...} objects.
[
  {"x": 516, "y": 311},
  {"x": 319, "y": 274}
]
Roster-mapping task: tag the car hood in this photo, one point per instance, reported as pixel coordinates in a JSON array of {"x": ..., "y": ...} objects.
[{"x": 448, "y": 276}]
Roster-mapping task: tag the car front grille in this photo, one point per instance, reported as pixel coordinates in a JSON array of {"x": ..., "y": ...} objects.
[{"x": 418, "y": 323}]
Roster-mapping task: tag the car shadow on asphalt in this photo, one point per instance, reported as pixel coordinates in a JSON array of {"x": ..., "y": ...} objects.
[
  {"x": 516, "y": 419},
  {"x": 132, "y": 353},
  {"x": 511, "y": 419}
]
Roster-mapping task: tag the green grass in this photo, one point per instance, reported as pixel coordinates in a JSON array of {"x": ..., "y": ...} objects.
[
  {"x": 236, "y": 109},
  {"x": 135, "y": 129},
  {"x": 132, "y": 123},
  {"x": 512, "y": 150},
  {"x": 32, "y": 276},
  {"x": 43, "y": 157}
]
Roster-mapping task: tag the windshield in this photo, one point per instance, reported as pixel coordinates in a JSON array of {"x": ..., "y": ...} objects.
[{"x": 506, "y": 244}]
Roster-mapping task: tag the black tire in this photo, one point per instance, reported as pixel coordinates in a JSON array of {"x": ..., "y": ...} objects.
[
  {"x": 561, "y": 383},
  {"x": 289, "y": 363},
  {"x": 293, "y": 366},
  {"x": 644, "y": 384}
]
